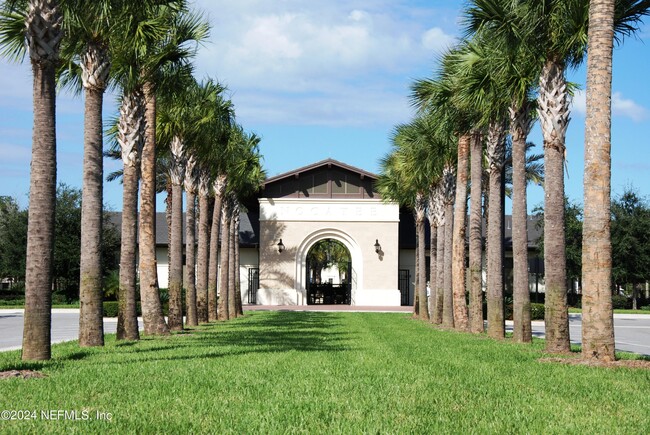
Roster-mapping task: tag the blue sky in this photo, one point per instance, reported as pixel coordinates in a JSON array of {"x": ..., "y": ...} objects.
[{"x": 329, "y": 78}]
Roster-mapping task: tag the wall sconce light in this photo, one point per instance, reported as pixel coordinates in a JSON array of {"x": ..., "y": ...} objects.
[
  {"x": 280, "y": 246},
  {"x": 377, "y": 246}
]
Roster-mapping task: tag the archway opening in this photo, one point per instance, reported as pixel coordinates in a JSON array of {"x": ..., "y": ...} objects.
[{"x": 329, "y": 273}]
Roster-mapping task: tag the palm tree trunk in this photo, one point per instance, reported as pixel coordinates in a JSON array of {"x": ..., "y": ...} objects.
[
  {"x": 459, "y": 248},
  {"x": 238, "y": 294},
  {"x": 448, "y": 291},
  {"x": 40, "y": 227},
  {"x": 130, "y": 136},
  {"x": 440, "y": 274},
  {"x": 203, "y": 252},
  {"x": 476, "y": 237},
  {"x": 176, "y": 264},
  {"x": 213, "y": 267},
  {"x": 433, "y": 266},
  {"x": 152, "y": 314},
  {"x": 520, "y": 124},
  {"x": 421, "y": 257},
  {"x": 222, "y": 311},
  {"x": 597, "y": 315},
  {"x": 553, "y": 112},
  {"x": 496, "y": 154},
  {"x": 168, "y": 220},
  {"x": 190, "y": 259},
  {"x": 91, "y": 322},
  {"x": 127, "y": 317},
  {"x": 416, "y": 281},
  {"x": 496, "y": 320},
  {"x": 232, "y": 267}
]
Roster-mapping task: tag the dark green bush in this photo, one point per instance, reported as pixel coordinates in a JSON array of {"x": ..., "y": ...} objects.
[
  {"x": 12, "y": 302},
  {"x": 536, "y": 311},
  {"x": 621, "y": 302},
  {"x": 508, "y": 312},
  {"x": 111, "y": 308},
  {"x": 59, "y": 299}
]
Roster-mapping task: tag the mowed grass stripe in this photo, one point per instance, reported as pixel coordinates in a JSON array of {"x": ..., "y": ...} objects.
[{"x": 307, "y": 372}]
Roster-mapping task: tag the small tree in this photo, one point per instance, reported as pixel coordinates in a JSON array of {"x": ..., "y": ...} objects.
[
  {"x": 630, "y": 240},
  {"x": 13, "y": 239}
]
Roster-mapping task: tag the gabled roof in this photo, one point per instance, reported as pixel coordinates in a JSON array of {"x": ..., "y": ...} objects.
[
  {"x": 248, "y": 227},
  {"x": 327, "y": 163}
]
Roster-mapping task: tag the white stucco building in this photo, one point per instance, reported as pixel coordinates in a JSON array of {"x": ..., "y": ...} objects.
[{"x": 326, "y": 200}]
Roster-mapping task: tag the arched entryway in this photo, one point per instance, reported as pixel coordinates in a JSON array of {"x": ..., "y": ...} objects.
[
  {"x": 329, "y": 265},
  {"x": 353, "y": 276}
]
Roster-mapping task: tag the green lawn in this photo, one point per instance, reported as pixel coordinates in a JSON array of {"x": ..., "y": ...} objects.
[
  {"x": 309, "y": 372},
  {"x": 616, "y": 311}
]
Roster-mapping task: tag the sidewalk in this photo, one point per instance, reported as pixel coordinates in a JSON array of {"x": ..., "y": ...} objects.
[{"x": 330, "y": 308}]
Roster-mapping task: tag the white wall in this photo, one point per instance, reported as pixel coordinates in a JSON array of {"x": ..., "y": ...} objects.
[{"x": 302, "y": 222}]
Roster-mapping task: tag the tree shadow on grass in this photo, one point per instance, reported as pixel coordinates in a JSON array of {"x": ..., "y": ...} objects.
[{"x": 270, "y": 332}]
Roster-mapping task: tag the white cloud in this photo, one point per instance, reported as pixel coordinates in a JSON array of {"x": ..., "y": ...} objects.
[
  {"x": 625, "y": 107},
  {"x": 295, "y": 55},
  {"x": 579, "y": 102},
  {"x": 621, "y": 106},
  {"x": 435, "y": 39}
]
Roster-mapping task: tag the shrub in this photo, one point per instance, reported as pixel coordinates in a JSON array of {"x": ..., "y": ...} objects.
[
  {"x": 59, "y": 299},
  {"x": 12, "y": 302},
  {"x": 536, "y": 311},
  {"x": 508, "y": 311},
  {"x": 620, "y": 302},
  {"x": 112, "y": 307}
]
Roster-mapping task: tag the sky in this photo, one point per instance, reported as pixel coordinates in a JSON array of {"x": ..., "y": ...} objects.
[{"x": 321, "y": 79}]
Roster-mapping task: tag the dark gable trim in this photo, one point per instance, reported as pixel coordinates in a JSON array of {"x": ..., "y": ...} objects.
[
  {"x": 328, "y": 163},
  {"x": 323, "y": 180}
]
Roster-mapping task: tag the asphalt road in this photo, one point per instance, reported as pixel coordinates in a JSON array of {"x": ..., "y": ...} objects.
[
  {"x": 65, "y": 327},
  {"x": 632, "y": 330}
]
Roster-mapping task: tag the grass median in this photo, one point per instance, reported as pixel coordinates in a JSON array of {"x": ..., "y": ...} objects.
[{"x": 272, "y": 372}]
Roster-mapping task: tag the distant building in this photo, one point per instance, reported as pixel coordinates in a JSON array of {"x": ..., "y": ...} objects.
[{"x": 331, "y": 200}]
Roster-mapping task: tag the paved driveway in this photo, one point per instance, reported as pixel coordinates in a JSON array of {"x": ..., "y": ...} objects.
[{"x": 632, "y": 330}]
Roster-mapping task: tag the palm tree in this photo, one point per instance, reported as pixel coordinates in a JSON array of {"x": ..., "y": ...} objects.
[
  {"x": 190, "y": 185},
  {"x": 203, "y": 246},
  {"x": 179, "y": 121},
  {"x": 89, "y": 29},
  {"x": 216, "y": 118},
  {"x": 552, "y": 35},
  {"x": 224, "y": 255},
  {"x": 216, "y": 156},
  {"x": 246, "y": 178},
  {"x": 495, "y": 23},
  {"x": 476, "y": 236},
  {"x": 38, "y": 24},
  {"x": 407, "y": 175},
  {"x": 562, "y": 47},
  {"x": 177, "y": 174},
  {"x": 168, "y": 50},
  {"x": 436, "y": 215},
  {"x": 496, "y": 155},
  {"x": 233, "y": 268},
  {"x": 440, "y": 192},
  {"x": 238, "y": 293},
  {"x": 440, "y": 96},
  {"x": 130, "y": 138},
  {"x": 218, "y": 188},
  {"x": 449, "y": 188},
  {"x": 597, "y": 315}
]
